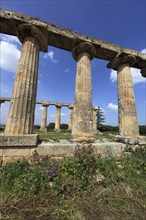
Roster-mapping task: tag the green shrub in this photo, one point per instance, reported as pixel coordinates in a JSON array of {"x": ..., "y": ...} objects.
[
  {"x": 33, "y": 181},
  {"x": 74, "y": 174},
  {"x": 23, "y": 178},
  {"x": 12, "y": 171},
  {"x": 51, "y": 126},
  {"x": 142, "y": 130},
  {"x": 64, "y": 126},
  {"x": 37, "y": 127},
  {"x": 108, "y": 128}
]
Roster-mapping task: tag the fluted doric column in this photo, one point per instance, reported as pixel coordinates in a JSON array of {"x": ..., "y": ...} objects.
[
  {"x": 94, "y": 120},
  {"x": 70, "y": 117},
  {"x": 58, "y": 118},
  {"x": 127, "y": 115},
  {"x": 43, "y": 126},
  {"x": 21, "y": 113},
  {"x": 83, "y": 53}
]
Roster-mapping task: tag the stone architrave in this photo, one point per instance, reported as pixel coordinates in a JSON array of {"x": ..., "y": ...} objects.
[
  {"x": 94, "y": 120},
  {"x": 58, "y": 118},
  {"x": 20, "y": 119},
  {"x": 43, "y": 126},
  {"x": 127, "y": 115},
  {"x": 83, "y": 53},
  {"x": 70, "y": 117}
]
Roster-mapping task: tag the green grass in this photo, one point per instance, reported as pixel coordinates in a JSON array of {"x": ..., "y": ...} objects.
[
  {"x": 55, "y": 136},
  {"x": 84, "y": 187},
  {"x": 66, "y": 135}
]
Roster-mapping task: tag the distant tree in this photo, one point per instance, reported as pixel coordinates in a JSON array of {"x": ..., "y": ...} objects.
[
  {"x": 64, "y": 126},
  {"x": 100, "y": 117},
  {"x": 51, "y": 126}
]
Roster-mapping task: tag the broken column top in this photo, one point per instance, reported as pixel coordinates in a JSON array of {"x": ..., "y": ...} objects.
[{"x": 66, "y": 39}]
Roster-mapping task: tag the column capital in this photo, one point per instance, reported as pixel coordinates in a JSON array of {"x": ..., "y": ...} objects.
[
  {"x": 143, "y": 71},
  {"x": 45, "y": 105},
  {"x": 121, "y": 59},
  {"x": 84, "y": 47},
  {"x": 2, "y": 101},
  {"x": 58, "y": 105},
  {"x": 28, "y": 30},
  {"x": 70, "y": 106},
  {"x": 94, "y": 109}
]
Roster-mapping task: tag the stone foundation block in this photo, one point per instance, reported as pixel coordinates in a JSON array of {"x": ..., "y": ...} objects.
[
  {"x": 19, "y": 140},
  {"x": 127, "y": 140}
]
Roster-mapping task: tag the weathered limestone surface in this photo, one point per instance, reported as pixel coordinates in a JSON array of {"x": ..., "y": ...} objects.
[
  {"x": 65, "y": 39},
  {"x": 59, "y": 150},
  {"x": 18, "y": 140},
  {"x": 128, "y": 123},
  {"x": 70, "y": 117},
  {"x": 58, "y": 117},
  {"x": 82, "y": 115},
  {"x": 21, "y": 113},
  {"x": 43, "y": 126},
  {"x": 94, "y": 120}
]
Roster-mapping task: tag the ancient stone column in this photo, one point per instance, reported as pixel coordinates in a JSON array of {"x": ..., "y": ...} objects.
[
  {"x": 43, "y": 126},
  {"x": 70, "y": 117},
  {"x": 127, "y": 115},
  {"x": 58, "y": 118},
  {"x": 94, "y": 120},
  {"x": 21, "y": 113},
  {"x": 83, "y": 53}
]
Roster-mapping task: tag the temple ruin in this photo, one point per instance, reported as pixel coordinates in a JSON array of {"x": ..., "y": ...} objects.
[
  {"x": 35, "y": 36},
  {"x": 45, "y": 105}
]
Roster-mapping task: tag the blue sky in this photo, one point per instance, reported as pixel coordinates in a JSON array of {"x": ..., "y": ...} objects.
[{"x": 119, "y": 22}]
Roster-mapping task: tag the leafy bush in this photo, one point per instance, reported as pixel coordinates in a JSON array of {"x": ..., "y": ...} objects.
[
  {"x": 108, "y": 128},
  {"x": 74, "y": 174},
  {"x": 51, "y": 126},
  {"x": 12, "y": 171},
  {"x": 142, "y": 130},
  {"x": 36, "y": 126},
  {"x": 64, "y": 126},
  {"x": 23, "y": 178}
]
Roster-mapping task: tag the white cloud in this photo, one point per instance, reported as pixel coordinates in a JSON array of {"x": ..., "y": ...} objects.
[
  {"x": 67, "y": 70},
  {"x": 50, "y": 55},
  {"x": 136, "y": 76},
  {"x": 10, "y": 39},
  {"x": 143, "y": 51},
  {"x": 112, "y": 106},
  {"x": 101, "y": 109},
  {"x": 113, "y": 75},
  {"x": 9, "y": 56},
  {"x": 41, "y": 107}
]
